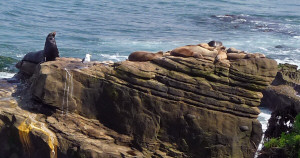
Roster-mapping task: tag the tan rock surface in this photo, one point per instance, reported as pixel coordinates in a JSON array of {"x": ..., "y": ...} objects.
[{"x": 184, "y": 107}]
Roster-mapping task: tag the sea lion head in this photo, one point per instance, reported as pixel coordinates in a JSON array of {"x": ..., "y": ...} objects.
[{"x": 51, "y": 39}]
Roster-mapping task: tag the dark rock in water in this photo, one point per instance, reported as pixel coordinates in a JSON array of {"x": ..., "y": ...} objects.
[
  {"x": 279, "y": 97},
  {"x": 279, "y": 46}
]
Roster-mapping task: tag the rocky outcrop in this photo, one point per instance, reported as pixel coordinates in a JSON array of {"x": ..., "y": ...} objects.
[
  {"x": 29, "y": 129},
  {"x": 171, "y": 106},
  {"x": 288, "y": 75},
  {"x": 281, "y": 97},
  {"x": 167, "y": 107}
]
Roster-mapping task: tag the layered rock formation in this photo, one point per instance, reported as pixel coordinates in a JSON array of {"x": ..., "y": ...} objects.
[{"x": 168, "y": 107}]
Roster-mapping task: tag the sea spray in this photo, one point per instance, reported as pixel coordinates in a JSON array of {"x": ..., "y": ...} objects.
[
  {"x": 263, "y": 118},
  {"x": 68, "y": 91}
]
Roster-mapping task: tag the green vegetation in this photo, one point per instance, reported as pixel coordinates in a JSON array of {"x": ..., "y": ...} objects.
[{"x": 290, "y": 142}]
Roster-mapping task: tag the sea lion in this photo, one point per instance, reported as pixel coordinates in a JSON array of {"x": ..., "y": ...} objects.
[
  {"x": 222, "y": 55},
  {"x": 235, "y": 56},
  {"x": 206, "y": 46},
  {"x": 144, "y": 56},
  {"x": 215, "y": 44},
  {"x": 50, "y": 49},
  {"x": 49, "y": 53},
  {"x": 31, "y": 59},
  {"x": 254, "y": 55},
  {"x": 233, "y": 50},
  {"x": 193, "y": 51}
]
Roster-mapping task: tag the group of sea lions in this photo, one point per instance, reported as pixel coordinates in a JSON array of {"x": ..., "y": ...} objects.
[{"x": 213, "y": 50}]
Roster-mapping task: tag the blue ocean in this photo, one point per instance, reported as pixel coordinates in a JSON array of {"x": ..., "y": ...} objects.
[{"x": 111, "y": 30}]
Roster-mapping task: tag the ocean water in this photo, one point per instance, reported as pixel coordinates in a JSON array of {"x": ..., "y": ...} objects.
[{"x": 111, "y": 30}]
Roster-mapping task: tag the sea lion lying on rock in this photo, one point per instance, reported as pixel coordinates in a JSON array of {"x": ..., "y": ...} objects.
[
  {"x": 243, "y": 55},
  {"x": 254, "y": 55},
  {"x": 193, "y": 51},
  {"x": 235, "y": 56},
  {"x": 206, "y": 46},
  {"x": 222, "y": 55},
  {"x": 144, "y": 56},
  {"x": 234, "y": 50},
  {"x": 31, "y": 59}
]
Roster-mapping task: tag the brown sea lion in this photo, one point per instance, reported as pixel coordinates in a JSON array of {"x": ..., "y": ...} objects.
[
  {"x": 233, "y": 50},
  {"x": 193, "y": 51},
  {"x": 235, "y": 56},
  {"x": 144, "y": 56},
  {"x": 254, "y": 55},
  {"x": 222, "y": 55}
]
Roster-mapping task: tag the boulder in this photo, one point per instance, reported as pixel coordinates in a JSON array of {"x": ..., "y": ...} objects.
[{"x": 181, "y": 107}]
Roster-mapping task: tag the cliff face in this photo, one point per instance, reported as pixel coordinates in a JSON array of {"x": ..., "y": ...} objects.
[
  {"x": 169, "y": 107},
  {"x": 180, "y": 106},
  {"x": 281, "y": 97}
]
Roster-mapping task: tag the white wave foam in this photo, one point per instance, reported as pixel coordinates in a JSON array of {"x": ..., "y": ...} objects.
[
  {"x": 114, "y": 57},
  {"x": 6, "y": 75},
  {"x": 20, "y": 55},
  {"x": 223, "y": 16},
  {"x": 297, "y": 37},
  {"x": 263, "y": 117},
  {"x": 289, "y": 60}
]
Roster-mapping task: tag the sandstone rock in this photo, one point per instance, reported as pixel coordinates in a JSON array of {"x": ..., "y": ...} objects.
[
  {"x": 23, "y": 133},
  {"x": 194, "y": 105}
]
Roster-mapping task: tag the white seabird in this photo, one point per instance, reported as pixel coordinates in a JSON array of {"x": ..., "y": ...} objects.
[{"x": 86, "y": 59}]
